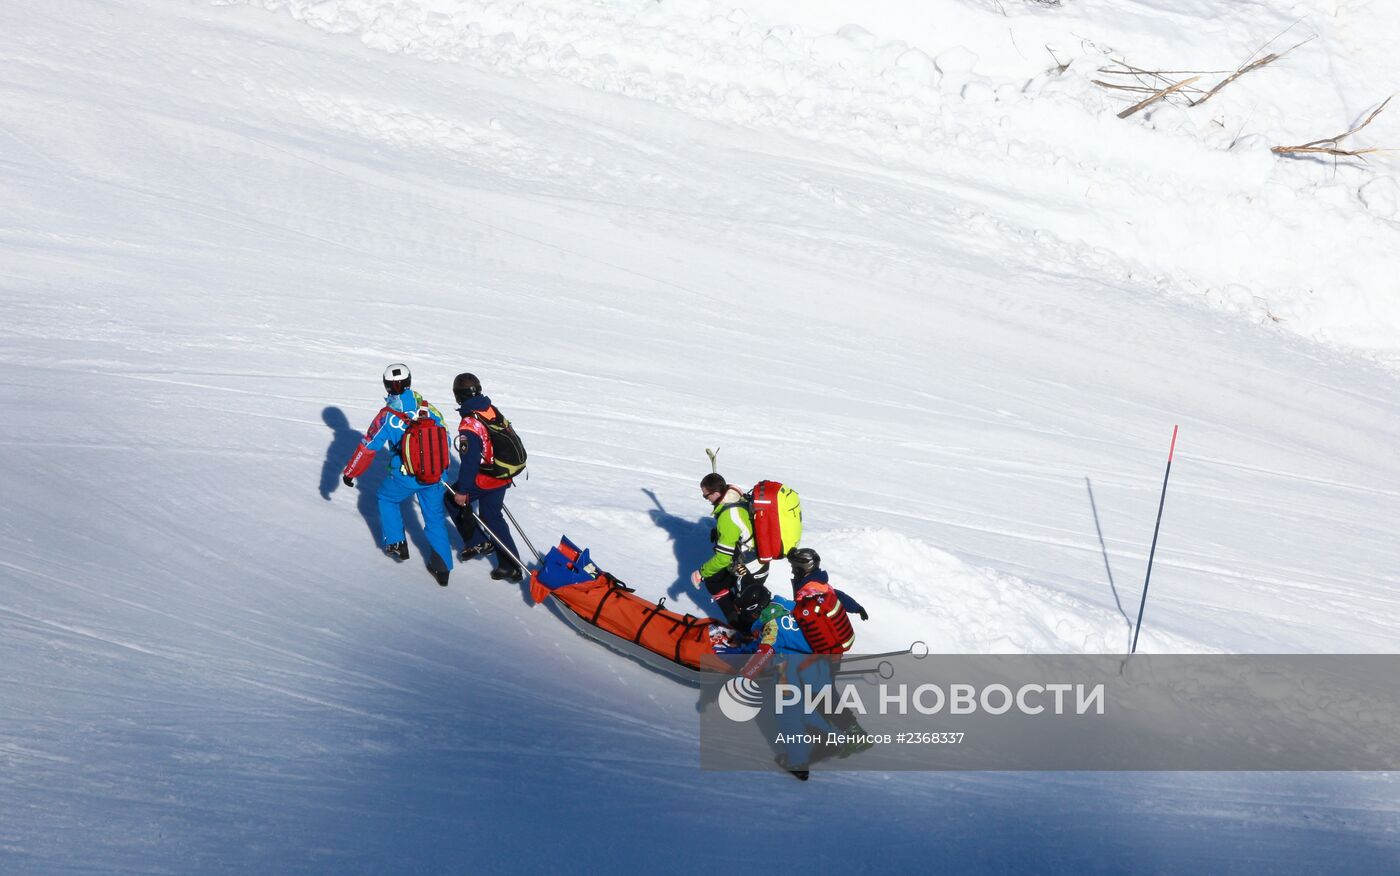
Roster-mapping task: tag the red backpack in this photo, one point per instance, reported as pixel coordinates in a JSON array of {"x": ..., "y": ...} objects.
[
  {"x": 424, "y": 449},
  {"x": 777, "y": 519},
  {"x": 824, "y": 622}
]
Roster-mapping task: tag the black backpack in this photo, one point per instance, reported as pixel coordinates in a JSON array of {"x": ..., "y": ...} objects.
[{"x": 508, "y": 451}]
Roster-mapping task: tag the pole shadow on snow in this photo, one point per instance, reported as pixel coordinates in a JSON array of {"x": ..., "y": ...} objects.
[
  {"x": 1103, "y": 549},
  {"x": 690, "y": 541}
]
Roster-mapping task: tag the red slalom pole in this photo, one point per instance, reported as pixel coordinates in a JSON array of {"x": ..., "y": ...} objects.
[{"x": 1153, "y": 552}]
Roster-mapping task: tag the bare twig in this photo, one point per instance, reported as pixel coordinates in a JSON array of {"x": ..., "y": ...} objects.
[
  {"x": 1236, "y": 140},
  {"x": 1158, "y": 84},
  {"x": 1251, "y": 65},
  {"x": 1140, "y": 89},
  {"x": 1329, "y": 150},
  {"x": 1278, "y": 36},
  {"x": 1333, "y": 145},
  {"x": 1060, "y": 66},
  {"x": 1267, "y": 59},
  {"x": 1156, "y": 97},
  {"x": 1144, "y": 77},
  {"x": 1129, "y": 68}
]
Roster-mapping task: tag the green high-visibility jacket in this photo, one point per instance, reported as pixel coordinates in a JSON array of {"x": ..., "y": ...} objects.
[{"x": 735, "y": 528}]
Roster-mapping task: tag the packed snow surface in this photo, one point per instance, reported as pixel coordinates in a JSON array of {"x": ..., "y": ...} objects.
[{"x": 904, "y": 256}]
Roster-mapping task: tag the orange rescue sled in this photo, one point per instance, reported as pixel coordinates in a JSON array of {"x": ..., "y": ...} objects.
[{"x": 598, "y": 602}]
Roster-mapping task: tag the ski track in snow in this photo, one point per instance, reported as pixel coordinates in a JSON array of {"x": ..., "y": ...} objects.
[{"x": 652, "y": 228}]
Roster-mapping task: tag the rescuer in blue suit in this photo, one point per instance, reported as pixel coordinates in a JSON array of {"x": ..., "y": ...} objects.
[
  {"x": 779, "y": 641},
  {"x": 400, "y": 406}
]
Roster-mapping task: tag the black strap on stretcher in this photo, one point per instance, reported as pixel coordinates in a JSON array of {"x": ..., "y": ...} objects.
[
  {"x": 651, "y": 615},
  {"x": 613, "y": 587},
  {"x": 690, "y": 622}
]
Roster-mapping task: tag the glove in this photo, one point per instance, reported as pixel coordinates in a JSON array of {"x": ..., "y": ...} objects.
[
  {"x": 758, "y": 662},
  {"x": 863, "y": 615},
  {"x": 696, "y": 578},
  {"x": 347, "y": 480}
]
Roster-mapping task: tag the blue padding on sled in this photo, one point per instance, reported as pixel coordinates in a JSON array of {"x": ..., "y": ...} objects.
[{"x": 558, "y": 571}]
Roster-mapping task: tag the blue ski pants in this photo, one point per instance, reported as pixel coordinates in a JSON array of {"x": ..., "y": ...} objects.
[
  {"x": 398, "y": 488},
  {"x": 793, "y": 722},
  {"x": 489, "y": 507}
]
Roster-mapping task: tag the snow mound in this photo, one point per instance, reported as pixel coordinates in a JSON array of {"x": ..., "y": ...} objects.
[
  {"x": 918, "y": 592},
  {"x": 1381, "y": 196}
]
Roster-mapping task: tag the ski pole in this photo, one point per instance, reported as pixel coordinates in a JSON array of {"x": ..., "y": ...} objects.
[
  {"x": 1153, "y": 552},
  {"x": 516, "y": 524},
  {"x": 912, "y": 650},
  {"x": 482, "y": 523}
]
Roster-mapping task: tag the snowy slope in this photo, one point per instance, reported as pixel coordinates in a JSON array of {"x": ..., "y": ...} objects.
[
  {"x": 220, "y": 222},
  {"x": 963, "y": 92}
]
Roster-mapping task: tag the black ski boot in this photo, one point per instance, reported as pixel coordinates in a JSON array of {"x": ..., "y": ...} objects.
[
  {"x": 438, "y": 570},
  {"x": 849, "y": 748},
  {"x": 800, "y": 774},
  {"x": 845, "y": 722},
  {"x": 480, "y": 550},
  {"x": 397, "y": 551},
  {"x": 508, "y": 571}
]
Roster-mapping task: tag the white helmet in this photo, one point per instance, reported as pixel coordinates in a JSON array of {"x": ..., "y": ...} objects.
[{"x": 397, "y": 378}]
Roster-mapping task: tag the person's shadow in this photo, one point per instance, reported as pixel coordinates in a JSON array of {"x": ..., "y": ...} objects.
[
  {"x": 690, "y": 541},
  {"x": 344, "y": 439}
]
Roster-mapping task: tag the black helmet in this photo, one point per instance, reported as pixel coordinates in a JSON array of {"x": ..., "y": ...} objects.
[
  {"x": 397, "y": 378},
  {"x": 713, "y": 483},
  {"x": 465, "y": 386},
  {"x": 805, "y": 561}
]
